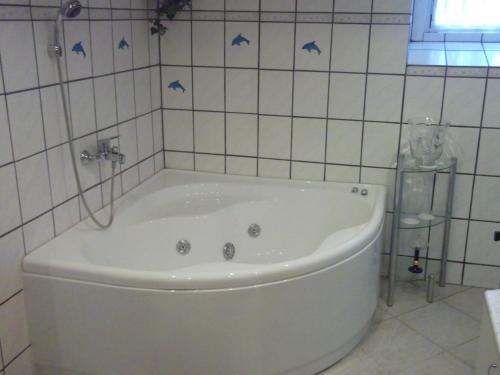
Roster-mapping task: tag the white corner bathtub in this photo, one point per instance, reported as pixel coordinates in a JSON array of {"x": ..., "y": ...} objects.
[{"x": 293, "y": 300}]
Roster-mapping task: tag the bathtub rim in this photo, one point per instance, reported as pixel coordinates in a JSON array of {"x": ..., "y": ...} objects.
[{"x": 44, "y": 261}]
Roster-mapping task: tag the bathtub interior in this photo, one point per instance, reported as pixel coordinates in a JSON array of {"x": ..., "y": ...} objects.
[{"x": 295, "y": 223}]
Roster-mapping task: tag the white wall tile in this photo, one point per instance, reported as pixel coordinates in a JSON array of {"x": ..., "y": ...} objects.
[
  {"x": 353, "y": 6},
  {"x": 34, "y": 189},
  {"x": 123, "y": 57},
  {"x": 5, "y": 141},
  {"x": 423, "y": 97},
  {"x": 489, "y": 152},
  {"x": 38, "y": 232},
  {"x": 81, "y": 96},
  {"x": 146, "y": 169},
  {"x": 342, "y": 173},
  {"x": 491, "y": 108},
  {"x": 125, "y": 96},
  {"x": 388, "y": 48},
  {"x": 275, "y": 135},
  {"x": 105, "y": 101},
  {"x": 47, "y": 67},
  {"x": 11, "y": 256},
  {"x": 392, "y": 6},
  {"x": 209, "y": 163},
  {"x": 381, "y": 176},
  {"x": 308, "y": 139},
  {"x": 22, "y": 365},
  {"x": 274, "y": 168},
  {"x": 179, "y": 160},
  {"x": 463, "y": 101},
  {"x": 465, "y": 144},
  {"x": 481, "y": 247},
  {"x": 209, "y": 5},
  {"x": 89, "y": 174},
  {"x": 485, "y": 203},
  {"x": 176, "y": 43},
  {"x": 66, "y": 215},
  {"x": 208, "y": 43},
  {"x": 157, "y": 131},
  {"x": 102, "y": 47},
  {"x": 25, "y": 123},
  {"x": 307, "y": 171},
  {"x": 140, "y": 40},
  {"x": 156, "y": 94},
  {"x": 380, "y": 144},
  {"x": 350, "y": 48},
  {"x": 18, "y": 55},
  {"x": 208, "y": 90},
  {"x": 177, "y": 99},
  {"x": 276, "y": 45},
  {"x": 142, "y": 91},
  {"x": 13, "y": 327},
  {"x": 241, "y": 135},
  {"x": 462, "y": 196},
  {"x": 145, "y": 137},
  {"x": 482, "y": 276},
  {"x": 315, "y": 5},
  {"x": 209, "y": 132},
  {"x": 458, "y": 236},
  {"x": 53, "y": 115},
  {"x": 313, "y": 59},
  {"x": 241, "y": 90},
  {"x": 344, "y": 142},
  {"x": 275, "y": 95},
  {"x": 242, "y": 166},
  {"x": 178, "y": 130},
  {"x": 9, "y": 201},
  {"x": 62, "y": 177},
  {"x": 347, "y": 96},
  {"x": 242, "y": 4},
  {"x": 310, "y": 94},
  {"x": 242, "y": 54},
  {"x": 384, "y": 98},
  {"x": 79, "y": 63},
  {"x": 128, "y": 142},
  {"x": 278, "y": 5}
]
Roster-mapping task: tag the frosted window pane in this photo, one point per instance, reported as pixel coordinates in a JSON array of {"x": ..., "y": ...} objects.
[{"x": 467, "y": 14}]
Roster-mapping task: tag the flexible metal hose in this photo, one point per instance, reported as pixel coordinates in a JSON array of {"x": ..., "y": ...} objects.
[{"x": 67, "y": 119}]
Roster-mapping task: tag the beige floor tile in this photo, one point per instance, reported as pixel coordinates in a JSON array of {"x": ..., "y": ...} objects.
[
  {"x": 355, "y": 363},
  {"x": 442, "y": 364},
  {"x": 466, "y": 352},
  {"x": 407, "y": 297},
  {"x": 443, "y": 324},
  {"x": 393, "y": 347},
  {"x": 470, "y": 302},
  {"x": 441, "y": 292}
]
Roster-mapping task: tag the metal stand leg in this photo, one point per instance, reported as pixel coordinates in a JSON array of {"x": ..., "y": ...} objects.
[
  {"x": 447, "y": 223},
  {"x": 393, "y": 264}
]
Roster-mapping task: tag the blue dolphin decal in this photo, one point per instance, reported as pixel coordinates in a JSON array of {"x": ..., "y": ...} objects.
[
  {"x": 176, "y": 85},
  {"x": 78, "y": 48},
  {"x": 311, "y": 46},
  {"x": 123, "y": 43},
  {"x": 240, "y": 39}
]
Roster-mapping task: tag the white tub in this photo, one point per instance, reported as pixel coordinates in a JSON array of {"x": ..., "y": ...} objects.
[{"x": 294, "y": 300}]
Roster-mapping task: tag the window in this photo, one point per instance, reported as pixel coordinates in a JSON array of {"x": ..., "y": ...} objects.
[{"x": 458, "y": 20}]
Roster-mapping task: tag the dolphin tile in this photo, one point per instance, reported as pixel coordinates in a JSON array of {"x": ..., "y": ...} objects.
[
  {"x": 242, "y": 44},
  {"x": 313, "y": 45},
  {"x": 78, "y": 52}
]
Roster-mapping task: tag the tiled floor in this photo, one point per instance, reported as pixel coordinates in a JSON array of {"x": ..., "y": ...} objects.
[{"x": 414, "y": 337}]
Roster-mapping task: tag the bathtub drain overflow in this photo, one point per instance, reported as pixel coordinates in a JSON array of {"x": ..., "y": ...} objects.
[
  {"x": 228, "y": 251},
  {"x": 254, "y": 230},
  {"x": 183, "y": 247}
]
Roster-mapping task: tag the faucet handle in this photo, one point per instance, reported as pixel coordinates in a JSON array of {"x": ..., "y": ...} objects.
[{"x": 103, "y": 144}]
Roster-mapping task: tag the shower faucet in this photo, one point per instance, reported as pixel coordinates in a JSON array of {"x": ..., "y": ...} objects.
[{"x": 104, "y": 152}]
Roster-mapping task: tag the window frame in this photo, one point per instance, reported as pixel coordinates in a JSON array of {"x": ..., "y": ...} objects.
[{"x": 422, "y": 29}]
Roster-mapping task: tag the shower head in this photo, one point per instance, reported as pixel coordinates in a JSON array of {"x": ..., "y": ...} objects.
[{"x": 71, "y": 8}]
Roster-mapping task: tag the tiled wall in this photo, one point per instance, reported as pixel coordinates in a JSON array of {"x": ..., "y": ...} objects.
[
  {"x": 112, "y": 91},
  {"x": 270, "y": 107}
]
